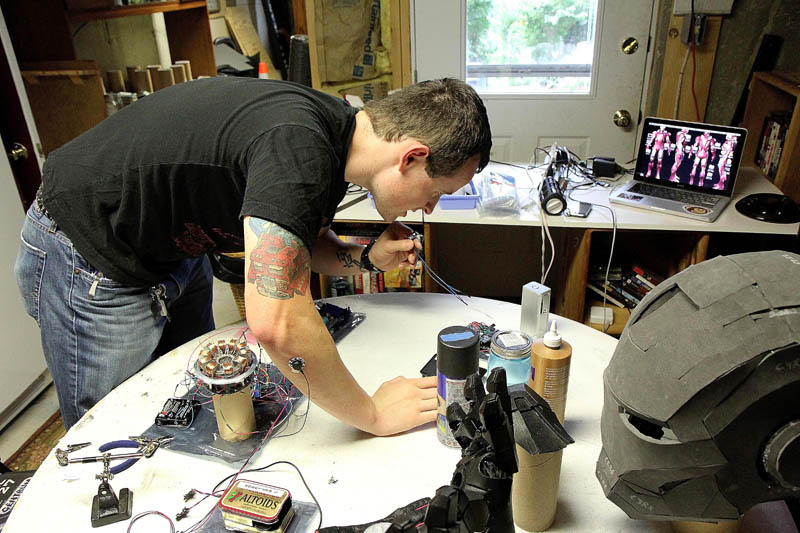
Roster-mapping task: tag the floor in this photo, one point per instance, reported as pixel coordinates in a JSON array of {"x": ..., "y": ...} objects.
[{"x": 16, "y": 433}]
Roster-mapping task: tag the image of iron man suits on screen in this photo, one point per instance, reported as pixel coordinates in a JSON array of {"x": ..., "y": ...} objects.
[
  {"x": 724, "y": 161},
  {"x": 682, "y": 144},
  {"x": 704, "y": 150},
  {"x": 658, "y": 141}
]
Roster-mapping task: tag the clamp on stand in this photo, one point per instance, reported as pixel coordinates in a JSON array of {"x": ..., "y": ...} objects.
[{"x": 107, "y": 508}]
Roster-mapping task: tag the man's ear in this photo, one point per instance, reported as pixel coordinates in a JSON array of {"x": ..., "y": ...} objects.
[{"x": 413, "y": 155}]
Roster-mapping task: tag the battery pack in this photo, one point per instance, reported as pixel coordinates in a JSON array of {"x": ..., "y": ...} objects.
[
  {"x": 256, "y": 507},
  {"x": 178, "y": 412}
]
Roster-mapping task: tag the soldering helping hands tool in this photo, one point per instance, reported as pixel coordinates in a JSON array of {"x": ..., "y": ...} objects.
[
  {"x": 433, "y": 275},
  {"x": 145, "y": 448}
]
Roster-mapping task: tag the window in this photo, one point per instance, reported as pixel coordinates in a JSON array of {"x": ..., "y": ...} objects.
[{"x": 531, "y": 46}]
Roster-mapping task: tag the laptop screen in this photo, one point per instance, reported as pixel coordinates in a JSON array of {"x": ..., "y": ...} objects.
[{"x": 690, "y": 155}]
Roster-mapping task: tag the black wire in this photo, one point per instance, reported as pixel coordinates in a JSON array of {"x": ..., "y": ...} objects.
[
  {"x": 304, "y": 415},
  {"x": 508, "y": 164}
]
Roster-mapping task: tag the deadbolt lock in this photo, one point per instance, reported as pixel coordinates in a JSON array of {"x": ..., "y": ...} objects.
[{"x": 630, "y": 45}]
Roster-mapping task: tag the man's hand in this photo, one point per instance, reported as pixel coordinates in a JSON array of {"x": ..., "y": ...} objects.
[
  {"x": 402, "y": 404},
  {"x": 393, "y": 248}
]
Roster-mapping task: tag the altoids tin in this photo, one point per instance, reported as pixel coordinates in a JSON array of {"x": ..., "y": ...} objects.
[{"x": 251, "y": 506}]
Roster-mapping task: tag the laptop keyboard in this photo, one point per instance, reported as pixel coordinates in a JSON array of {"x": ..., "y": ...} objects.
[{"x": 678, "y": 195}]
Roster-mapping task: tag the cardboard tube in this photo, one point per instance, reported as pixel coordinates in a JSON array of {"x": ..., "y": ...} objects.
[
  {"x": 165, "y": 78},
  {"x": 141, "y": 81},
  {"x": 726, "y": 526},
  {"x": 116, "y": 81},
  {"x": 235, "y": 415},
  {"x": 179, "y": 73},
  {"x": 130, "y": 70},
  {"x": 534, "y": 491},
  {"x": 188, "y": 66},
  {"x": 154, "y": 76}
]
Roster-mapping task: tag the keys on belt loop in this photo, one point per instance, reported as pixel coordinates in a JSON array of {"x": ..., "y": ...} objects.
[{"x": 158, "y": 294}]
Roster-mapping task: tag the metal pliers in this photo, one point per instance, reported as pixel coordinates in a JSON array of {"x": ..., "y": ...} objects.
[{"x": 145, "y": 448}]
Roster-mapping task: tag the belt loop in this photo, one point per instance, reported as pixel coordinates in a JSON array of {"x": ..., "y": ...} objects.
[{"x": 40, "y": 205}]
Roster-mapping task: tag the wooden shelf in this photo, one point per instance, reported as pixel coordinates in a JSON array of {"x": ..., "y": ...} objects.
[
  {"x": 771, "y": 92},
  {"x": 128, "y": 11}
]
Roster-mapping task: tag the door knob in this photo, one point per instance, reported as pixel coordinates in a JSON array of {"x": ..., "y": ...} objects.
[
  {"x": 18, "y": 152},
  {"x": 622, "y": 118}
]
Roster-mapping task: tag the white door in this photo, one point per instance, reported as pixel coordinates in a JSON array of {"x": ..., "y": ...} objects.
[
  {"x": 23, "y": 374},
  {"x": 549, "y": 71}
]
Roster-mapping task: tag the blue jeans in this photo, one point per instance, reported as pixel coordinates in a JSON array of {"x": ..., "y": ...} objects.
[{"x": 96, "y": 332}]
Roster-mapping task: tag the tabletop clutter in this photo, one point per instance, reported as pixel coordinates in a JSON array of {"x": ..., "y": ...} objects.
[{"x": 501, "y": 396}]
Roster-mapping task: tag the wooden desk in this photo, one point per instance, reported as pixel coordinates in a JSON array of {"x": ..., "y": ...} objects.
[{"x": 495, "y": 256}]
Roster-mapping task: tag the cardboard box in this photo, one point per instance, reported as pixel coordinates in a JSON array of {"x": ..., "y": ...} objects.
[
  {"x": 66, "y": 97},
  {"x": 347, "y": 38}
]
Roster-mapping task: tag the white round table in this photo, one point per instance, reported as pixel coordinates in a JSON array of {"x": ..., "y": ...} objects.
[{"x": 356, "y": 477}]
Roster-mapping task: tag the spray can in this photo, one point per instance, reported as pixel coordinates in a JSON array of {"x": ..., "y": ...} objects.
[
  {"x": 534, "y": 491},
  {"x": 457, "y": 351}
]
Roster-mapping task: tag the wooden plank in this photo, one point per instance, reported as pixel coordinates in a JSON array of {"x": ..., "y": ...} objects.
[
  {"x": 132, "y": 10},
  {"x": 189, "y": 35},
  {"x": 764, "y": 98},
  {"x": 315, "y": 53},
  {"x": 568, "y": 298},
  {"x": 405, "y": 43},
  {"x": 241, "y": 28},
  {"x": 299, "y": 16},
  {"x": 673, "y": 60},
  {"x": 397, "y": 44},
  {"x": 786, "y": 177}
]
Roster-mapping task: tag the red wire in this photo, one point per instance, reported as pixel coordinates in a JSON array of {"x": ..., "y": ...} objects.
[{"x": 694, "y": 71}]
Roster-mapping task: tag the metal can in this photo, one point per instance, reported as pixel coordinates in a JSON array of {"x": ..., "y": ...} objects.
[
  {"x": 511, "y": 349},
  {"x": 457, "y": 350}
]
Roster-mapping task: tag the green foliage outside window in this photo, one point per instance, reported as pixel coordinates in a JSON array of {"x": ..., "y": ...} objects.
[{"x": 526, "y": 31}]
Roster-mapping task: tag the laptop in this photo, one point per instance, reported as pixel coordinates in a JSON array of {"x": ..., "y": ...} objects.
[{"x": 684, "y": 168}]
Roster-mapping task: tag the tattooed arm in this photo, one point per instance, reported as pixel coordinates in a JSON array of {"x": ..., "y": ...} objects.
[
  {"x": 282, "y": 316},
  {"x": 335, "y": 257}
]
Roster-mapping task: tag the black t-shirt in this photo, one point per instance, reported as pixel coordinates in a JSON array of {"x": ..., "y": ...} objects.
[{"x": 170, "y": 176}]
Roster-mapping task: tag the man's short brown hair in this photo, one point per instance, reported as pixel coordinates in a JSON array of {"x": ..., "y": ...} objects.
[{"x": 446, "y": 115}]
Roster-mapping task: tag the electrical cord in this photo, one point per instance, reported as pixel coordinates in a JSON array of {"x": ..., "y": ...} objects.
[
  {"x": 610, "y": 253},
  {"x": 145, "y": 513},
  {"x": 694, "y": 33}
]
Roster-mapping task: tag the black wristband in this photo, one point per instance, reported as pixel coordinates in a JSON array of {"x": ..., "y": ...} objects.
[{"x": 366, "y": 264}]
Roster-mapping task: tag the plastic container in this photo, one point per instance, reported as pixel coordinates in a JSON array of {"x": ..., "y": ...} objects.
[
  {"x": 511, "y": 349},
  {"x": 550, "y": 369}
]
